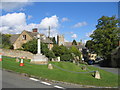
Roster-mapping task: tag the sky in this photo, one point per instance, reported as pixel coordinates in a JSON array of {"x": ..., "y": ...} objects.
[{"x": 76, "y": 20}]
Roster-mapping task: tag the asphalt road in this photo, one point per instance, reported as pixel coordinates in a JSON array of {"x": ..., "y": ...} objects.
[
  {"x": 108, "y": 69},
  {"x": 13, "y": 80}
]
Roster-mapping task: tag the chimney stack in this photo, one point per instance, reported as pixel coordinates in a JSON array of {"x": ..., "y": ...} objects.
[{"x": 35, "y": 30}]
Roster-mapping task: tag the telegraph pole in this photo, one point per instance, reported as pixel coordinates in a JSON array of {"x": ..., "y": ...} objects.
[
  {"x": 49, "y": 36},
  {"x": 49, "y": 32}
]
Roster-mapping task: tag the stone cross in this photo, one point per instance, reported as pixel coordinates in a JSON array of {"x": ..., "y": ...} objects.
[{"x": 39, "y": 48}]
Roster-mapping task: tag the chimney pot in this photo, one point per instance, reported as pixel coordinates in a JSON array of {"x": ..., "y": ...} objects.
[{"x": 35, "y": 30}]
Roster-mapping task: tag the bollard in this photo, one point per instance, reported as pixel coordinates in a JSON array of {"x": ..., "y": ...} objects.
[
  {"x": 97, "y": 75},
  {"x": 50, "y": 66},
  {"x": 21, "y": 62},
  {"x": 0, "y": 56},
  {"x": 84, "y": 68},
  {"x": 17, "y": 59}
]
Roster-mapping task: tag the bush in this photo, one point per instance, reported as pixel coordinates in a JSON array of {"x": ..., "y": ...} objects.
[
  {"x": 31, "y": 46},
  {"x": 65, "y": 57}
]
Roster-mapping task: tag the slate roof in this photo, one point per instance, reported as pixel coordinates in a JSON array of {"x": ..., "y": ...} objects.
[
  {"x": 47, "y": 40},
  {"x": 69, "y": 44},
  {"x": 13, "y": 38},
  {"x": 32, "y": 34}
]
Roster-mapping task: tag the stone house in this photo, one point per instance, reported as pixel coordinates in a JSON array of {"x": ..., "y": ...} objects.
[{"x": 17, "y": 40}]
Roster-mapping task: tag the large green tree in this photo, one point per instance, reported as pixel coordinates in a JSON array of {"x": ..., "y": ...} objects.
[
  {"x": 74, "y": 42},
  {"x": 74, "y": 50},
  {"x": 63, "y": 52},
  {"x": 105, "y": 37}
]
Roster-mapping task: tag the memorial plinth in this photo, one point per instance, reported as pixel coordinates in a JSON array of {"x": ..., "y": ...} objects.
[{"x": 39, "y": 59}]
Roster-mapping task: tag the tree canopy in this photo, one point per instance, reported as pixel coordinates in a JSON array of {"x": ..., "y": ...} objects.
[
  {"x": 53, "y": 40},
  {"x": 6, "y": 41},
  {"x": 74, "y": 42},
  {"x": 31, "y": 46},
  {"x": 105, "y": 37}
]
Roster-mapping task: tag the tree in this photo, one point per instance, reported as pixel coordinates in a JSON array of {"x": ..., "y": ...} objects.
[
  {"x": 74, "y": 42},
  {"x": 31, "y": 46},
  {"x": 105, "y": 37},
  {"x": 6, "y": 41},
  {"x": 55, "y": 49},
  {"x": 76, "y": 52},
  {"x": 53, "y": 40},
  {"x": 62, "y": 52},
  {"x": 90, "y": 45}
]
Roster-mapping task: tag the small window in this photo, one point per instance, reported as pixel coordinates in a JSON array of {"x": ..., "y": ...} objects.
[{"x": 24, "y": 37}]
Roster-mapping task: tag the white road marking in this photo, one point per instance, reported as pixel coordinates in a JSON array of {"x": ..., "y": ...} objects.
[
  {"x": 46, "y": 83},
  {"x": 58, "y": 87},
  {"x": 34, "y": 79}
]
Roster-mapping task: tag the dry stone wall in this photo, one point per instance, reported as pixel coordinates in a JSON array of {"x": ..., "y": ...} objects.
[{"x": 16, "y": 53}]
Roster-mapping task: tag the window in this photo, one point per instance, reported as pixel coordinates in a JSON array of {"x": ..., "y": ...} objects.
[{"x": 24, "y": 37}]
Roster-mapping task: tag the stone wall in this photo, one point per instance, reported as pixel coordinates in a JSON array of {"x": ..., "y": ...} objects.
[{"x": 16, "y": 53}]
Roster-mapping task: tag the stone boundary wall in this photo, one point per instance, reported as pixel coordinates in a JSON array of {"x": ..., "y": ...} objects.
[{"x": 16, "y": 53}]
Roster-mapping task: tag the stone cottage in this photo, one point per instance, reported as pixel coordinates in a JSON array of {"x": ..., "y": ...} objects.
[{"x": 17, "y": 40}]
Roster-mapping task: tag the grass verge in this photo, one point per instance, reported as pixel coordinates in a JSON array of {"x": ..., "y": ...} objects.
[{"x": 107, "y": 79}]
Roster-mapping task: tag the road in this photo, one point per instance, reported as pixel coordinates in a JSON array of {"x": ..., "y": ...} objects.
[
  {"x": 13, "y": 80},
  {"x": 108, "y": 69}
]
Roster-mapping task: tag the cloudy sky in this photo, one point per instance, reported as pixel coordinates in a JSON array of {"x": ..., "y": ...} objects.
[{"x": 74, "y": 20}]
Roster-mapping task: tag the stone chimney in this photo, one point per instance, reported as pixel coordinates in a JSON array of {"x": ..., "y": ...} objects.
[{"x": 35, "y": 30}]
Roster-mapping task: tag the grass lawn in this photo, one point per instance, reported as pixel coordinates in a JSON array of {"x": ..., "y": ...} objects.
[{"x": 107, "y": 79}]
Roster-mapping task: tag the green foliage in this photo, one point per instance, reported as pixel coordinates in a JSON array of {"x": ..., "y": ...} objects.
[
  {"x": 53, "y": 40},
  {"x": 66, "y": 57},
  {"x": 76, "y": 52},
  {"x": 6, "y": 41},
  {"x": 105, "y": 37},
  {"x": 63, "y": 52},
  {"x": 31, "y": 46},
  {"x": 50, "y": 55},
  {"x": 74, "y": 42},
  {"x": 90, "y": 45}
]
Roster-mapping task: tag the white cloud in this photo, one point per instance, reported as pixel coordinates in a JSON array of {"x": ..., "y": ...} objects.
[
  {"x": 16, "y": 23},
  {"x": 13, "y": 19},
  {"x": 49, "y": 21},
  {"x": 80, "y": 24},
  {"x": 71, "y": 32},
  {"x": 11, "y": 6},
  {"x": 84, "y": 41},
  {"x": 66, "y": 40},
  {"x": 65, "y": 19},
  {"x": 74, "y": 36},
  {"x": 21, "y": 9},
  {"x": 89, "y": 33}
]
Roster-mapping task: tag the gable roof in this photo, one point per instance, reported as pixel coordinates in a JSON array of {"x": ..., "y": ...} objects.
[
  {"x": 47, "y": 40},
  {"x": 13, "y": 38},
  {"x": 69, "y": 44},
  {"x": 32, "y": 34}
]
